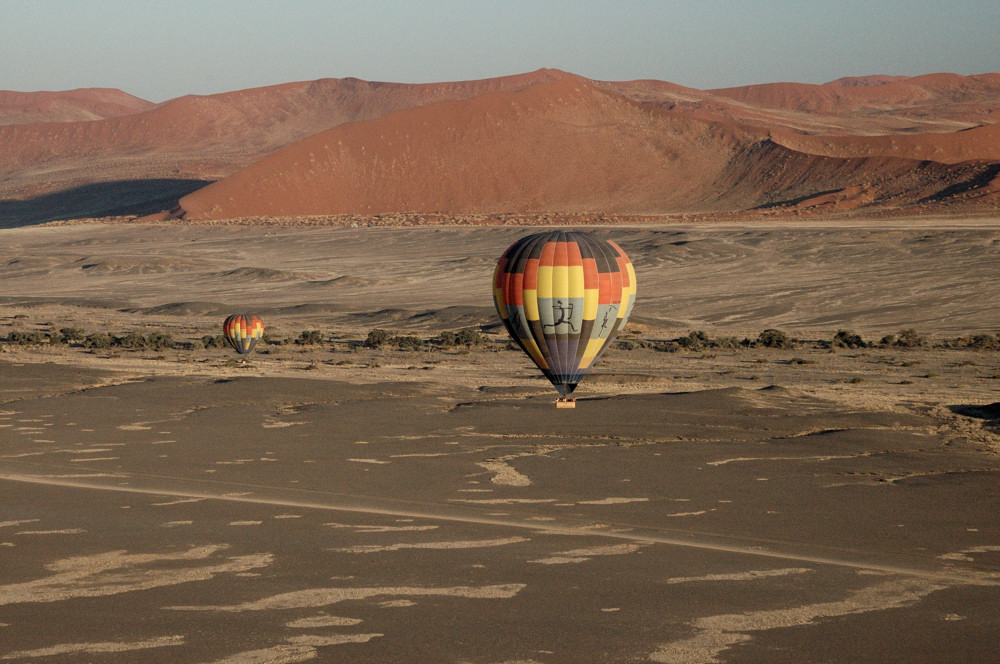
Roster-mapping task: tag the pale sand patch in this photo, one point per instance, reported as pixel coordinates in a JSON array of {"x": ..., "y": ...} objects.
[
  {"x": 323, "y": 621},
  {"x": 333, "y": 640},
  {"x": 138, "y": 426},
  {"x": 686, "y": 513},
  {"x": 614, "y": 501},
  {"x": 89, "y": 459},
  {"x": 719, "y": 633},
  {"x": 740, "y": 576},
  {"x": 583, "y": 555},
  {"x": 245, "y": 523},
  {"x": 118, "y": 572},
  {"x": 282, "y": 654},
  {"x": 397, "y": 603},
  {"x": 504, "y": 501},
  {"x": 379, "y": 461},
  {"x": 66, "y": 531},
  {"x": 93, "y": 648},
  {"x": 504, "y": 473},
  {"x": 316, "y": 597},
  {"x": 9, "y": 524},
  {"x": 723, "y": 462},
  {"x": 174, "y": 524},
  {"x": 466, "y": 544},
  {"x": 179, "y": 501},
  {"x": 964, "y": 554},
  {"x": 381, "y": 529},
  {"x": 279, "y": 425}
]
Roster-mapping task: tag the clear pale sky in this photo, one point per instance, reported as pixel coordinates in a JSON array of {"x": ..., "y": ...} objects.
[{"x": 159, "y": 50}]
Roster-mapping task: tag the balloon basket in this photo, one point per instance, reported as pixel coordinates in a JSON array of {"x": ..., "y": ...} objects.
[{"x": 565, "y": 402}]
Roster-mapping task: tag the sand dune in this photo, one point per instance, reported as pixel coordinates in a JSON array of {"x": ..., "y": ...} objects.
[
  {"x": 70, "y": 106},
  {"x": 560, "y": 146}
]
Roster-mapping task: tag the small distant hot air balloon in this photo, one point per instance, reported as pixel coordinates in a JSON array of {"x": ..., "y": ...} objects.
[
  {"x": 243, "y": 331},
  {"x": 563, "y": 297}
]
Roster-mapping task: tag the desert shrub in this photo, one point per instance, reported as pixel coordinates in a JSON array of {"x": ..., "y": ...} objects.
[
  {"x": 772, "y": 338},
  {"x": 133, "y": 340},
  {"x": 909, "y": 339},
  {"x": 409, "y": 342},
  {"x": 467, "y": 337},
  {"x": 984, "y": 342},
  {"x": 377, "y": 338},
  {"x": 159, "y": 341},
  {"x": 847, "y": 339},
  {"x": 26, "y": 338},
  {"x": 72, "y": 334},
  {"x": 887, "y": 340},
  {"x": 694, "y": 341},
  {"x": 214, "y": 341},
  {"x": 309, "y": 338},
  {"x": 269, "y": 339},
  {"x": 730, "y": 343},
  {"x": 98, "y": 340}
]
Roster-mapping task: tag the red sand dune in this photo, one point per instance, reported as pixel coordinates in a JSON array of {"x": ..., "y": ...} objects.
[
  {"x": 68, "y": 106},
  {"x": 213, "y": 135},
  {"x": 542, "y": 141},
  {"x": 561, "y": 146}
]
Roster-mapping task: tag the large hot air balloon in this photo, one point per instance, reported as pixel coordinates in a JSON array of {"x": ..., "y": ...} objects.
[
  {"x": 563, "y": 297},
  {"x": 243, "y": 331}
]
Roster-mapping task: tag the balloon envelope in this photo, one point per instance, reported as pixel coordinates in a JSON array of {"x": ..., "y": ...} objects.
[
  {"x": 243, "y": 331},
  {"x": 563, "y": 297}
]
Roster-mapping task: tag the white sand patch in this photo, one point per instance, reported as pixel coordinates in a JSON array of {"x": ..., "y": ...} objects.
[
  {"x": 10, "y": 524},
  {"x": 686, "y": 513},
  {"x": 174, "y": 524},
  {"x": 94, "y": 648},
  {"x": 718, "y": 633},
  {"x": 614, "y": 501},
  {"x": 464, "y": 544},
  {"x": 89, "y": 459},
  {"x": 397, "y": 604},
  {"x": 504, "y": 473},
  {"x": 65, "y": 531},
  {"x": 740, "y": 576},
  {"x": 233, "y": 462},
  {"x": 583, "y": 555},
  {"x": 138, "y": 426},
  {"x": 378, "y": 461},
  {"x": 287, "y": 516},
  {"x": 118, "y": 572},
  {"x": 323, "y": 621},
  {"x": 245, "y": 523},
  {"x": 317, "y": 597}
]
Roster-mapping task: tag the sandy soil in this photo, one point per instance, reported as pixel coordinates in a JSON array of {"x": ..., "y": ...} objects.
[{"x": 328, "y": 501}]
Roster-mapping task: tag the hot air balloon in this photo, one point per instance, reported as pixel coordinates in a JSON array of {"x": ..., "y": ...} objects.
[
  {"x": 563, "y": 297},
  {"x": 243, "y": 331}
]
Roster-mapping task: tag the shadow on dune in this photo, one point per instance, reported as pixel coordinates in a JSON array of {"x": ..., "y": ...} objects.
[
  {"x": 990, "y": 413},
  {"x": 101, "y": 199}
]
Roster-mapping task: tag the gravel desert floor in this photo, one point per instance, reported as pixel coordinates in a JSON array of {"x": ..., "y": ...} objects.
[{"x": 704, "y": 502}]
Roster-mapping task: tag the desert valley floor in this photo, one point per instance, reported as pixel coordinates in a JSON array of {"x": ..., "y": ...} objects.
[{"x": 332, "y": 502}]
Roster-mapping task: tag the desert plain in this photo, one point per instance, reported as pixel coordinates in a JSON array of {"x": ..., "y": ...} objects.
[
  {"x": 334, "y": 502},
  {"x": 791, "y": 453}
]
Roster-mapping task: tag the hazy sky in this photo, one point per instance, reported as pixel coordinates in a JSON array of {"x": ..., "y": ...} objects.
[{"x": 158, "y": 50}]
